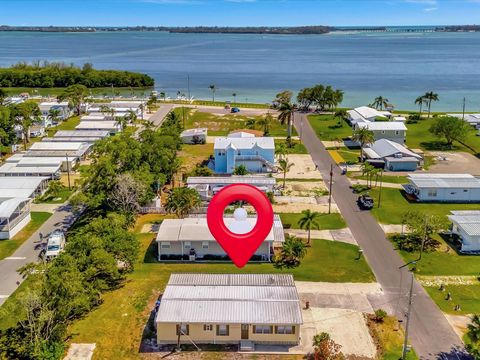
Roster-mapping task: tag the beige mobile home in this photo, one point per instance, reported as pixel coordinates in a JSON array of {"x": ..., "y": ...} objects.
[{"x": 243, "y": 309}]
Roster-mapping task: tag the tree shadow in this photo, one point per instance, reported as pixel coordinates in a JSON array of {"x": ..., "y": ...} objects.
[{"x": 151, "y": 255}]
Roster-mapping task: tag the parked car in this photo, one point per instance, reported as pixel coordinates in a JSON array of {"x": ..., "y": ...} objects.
[
  {"x": 365, "y": 202},
  {"x": 55, "y": 244},
  {"x": 235, "y": 110}
]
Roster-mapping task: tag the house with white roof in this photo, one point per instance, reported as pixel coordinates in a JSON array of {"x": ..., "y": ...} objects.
[
  {"x": 472, "y": 119},
  {"x": 14, "y": 215},
  {"x": 466, "y": 226},
  {"x": 194, "y": 136},
  {"x": 12, "y": 169},
  {"x": 191, "y": 239},
  {"x": 366, "y": 114},
  {"x": 392, "y": 130},
  {"x": 459, "y": 188},
  {"x": 208, "y": 186},
  {"x": 257, "y": 154},
  {"x": 240, "y": 309},
  {"x": 392, "y": 156},
  {"x": 111, "y": 126},
  {"x": 25, "y": 187},
  {"x": 62, "y": 107}
]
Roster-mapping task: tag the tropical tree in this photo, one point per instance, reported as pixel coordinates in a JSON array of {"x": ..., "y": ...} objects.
[
  {"x": 53, "y": 115},
  {"x": 473, "y": 334},
  {"x": 341, "y": 114},
  {"x": 251, "y": 123},
  {"x": 281, "y": 150},
  {"x": 182, "y": 200},
  {"x": 364, "y": 136},
  {"x": 451, "y": 129},
  {"x": 325, "y": 348},
  {"x": 368, "y": 170},
  {"x": 75, "y": 95},
  {"x": 284, "y": 166},
  {"x": 284, "y": 97},
  {"x": 240, "y": 170},
  {"x": 308, "y": 221},
  {"x": 265, "y": 123},
  {"x": 3, "y": 96},
  {"x": 380, "y": 102},
  {"x": 234, "y": 98},
  {"x": 26, "y": 114},
  {"x": 293, "y": 251},
  {"x": 287, "y": 111},
  {"x": 429, "y": 97},
  {"x": 420, "y": 101},
  {"x": 213, "y": 89},
  {"x": 162, "y": 95},
  {"x": 55, "y": 187},
  {"x": 131, "y": 116}
]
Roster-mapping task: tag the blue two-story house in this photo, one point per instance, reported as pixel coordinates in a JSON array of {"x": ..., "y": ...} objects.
[{"x": 256, "y": 153}]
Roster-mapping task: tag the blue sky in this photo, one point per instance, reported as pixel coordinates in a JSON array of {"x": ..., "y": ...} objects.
[{"x": 239, "y": 12}]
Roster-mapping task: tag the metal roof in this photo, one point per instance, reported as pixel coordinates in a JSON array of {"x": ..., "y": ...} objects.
[
  {"x": 41, "y": 161},
  {"x": 57, "y": 146},
  {"x": 8, "y": 206},
  {"x": 244, "y": 143},
  {"x": 25, "y": 183},
  {"x": 192, "y": 132},
  {"x": 13, "y": 169},
  {"x": 383, "y": 148},
  {"x": 99, "y": 117},
  {"x": 98, "y": 125},
  {"x": 368, "y": 112},
  {"x": 226, "y": 180},
  {"x": 196, "y": 229},
  {"x": 89, "y": 139},
  {"x": 81, "y": 133},
  {"x": 468, "y": 221},
  {"x": 383, "y": 125},
  {"x": 455, "y": 181},
  {"x": 230, "y": 298}
]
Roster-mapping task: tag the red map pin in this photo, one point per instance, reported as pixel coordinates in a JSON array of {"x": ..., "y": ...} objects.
[{"x": 240, "y": 247}]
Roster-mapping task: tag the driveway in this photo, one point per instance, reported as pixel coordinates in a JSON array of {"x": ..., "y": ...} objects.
[{"x": 430, "y": 333}]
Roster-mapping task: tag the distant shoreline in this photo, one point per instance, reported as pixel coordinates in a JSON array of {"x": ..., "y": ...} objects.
[{"x": 279, "y": 30}]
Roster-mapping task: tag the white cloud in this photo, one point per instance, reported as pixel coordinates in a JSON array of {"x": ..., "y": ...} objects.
[
  {"x": 423, "y": 2},
  {"x": 430, "y": 9}
]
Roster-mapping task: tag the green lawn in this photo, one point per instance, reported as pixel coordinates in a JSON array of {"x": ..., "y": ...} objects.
[
  {"x": 351, "y": 156},
  {"x": 394, "y": 205},
  {"x": 464, "y": 295},
  {"x": 297, "y": 148},
  {"x": 12, "y": 310},
  {"x": 63, "y": 196},
  {"x": 191, "y": 155},
  {"x": 419, "y": 136},
  {"x": 68, "y": 124},
  {"x": 326, "y": 221},
  {"x": 221, "y": 125},
  {"x": 7, "y": 247},
  {"x": 329, "y": 128},
  {"x": 232, "y": 104},
  {"x": 116, "y": 326}
]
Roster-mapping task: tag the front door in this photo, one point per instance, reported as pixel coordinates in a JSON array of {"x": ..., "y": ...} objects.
[{"x": 244, "y": 331}]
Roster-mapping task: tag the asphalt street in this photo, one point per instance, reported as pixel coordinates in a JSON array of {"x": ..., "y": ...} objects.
[{"x": 430, "y": 333}]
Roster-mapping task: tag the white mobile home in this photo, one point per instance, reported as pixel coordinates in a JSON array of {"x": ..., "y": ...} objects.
[
  {"x": 25, "y": 187},
  {"x": 460, "y": 188},
  {"x": 14, "y": 215},
  {"x": 391, "y": 130},
  {"x": 190, "y": 239},
  {"x": 366, "y": 114},
  {"x": 466, "y": 225},
  {"x": 111, "y": 126},
  {"x": 194, "y": 136},
  {"x": 11, "y": 169},
  {"x": 392, "y": 156}
]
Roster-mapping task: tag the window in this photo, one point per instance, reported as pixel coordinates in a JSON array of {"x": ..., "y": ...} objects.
[
  {"x": 207, "y": 327},
  {"x": 187, "y": 244},
  {"x": 219, "y": 154},
  {"x": 383, "y": 131},
  {"x": 183, "y": 329},
  {"x": 285, "y": 329},
  {"x": 204, "y": 244},
  {"x": 432, "y": 193},
  {"x": 262, "y": 329},
  {"x": 223, "y": 330},
  {"x": 397, "y": 132},
  {"x": 165, "y": 245}
]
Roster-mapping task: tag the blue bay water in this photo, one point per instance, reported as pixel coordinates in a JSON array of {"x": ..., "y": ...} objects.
[{"x": 399, "y": 66}]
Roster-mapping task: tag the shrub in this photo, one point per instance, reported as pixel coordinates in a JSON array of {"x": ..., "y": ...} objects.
[
  {"x": 380, "y": 315},
  {"x": 412, "y": 242},
  {"x": 359, "y": 188}
]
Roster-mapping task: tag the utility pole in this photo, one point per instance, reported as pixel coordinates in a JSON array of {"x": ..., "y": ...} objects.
[
  {"x": 188, "y": 86},
  {"x": 330, "y": 191},
  {"x": 463, "y": 111},
  {"x": 68, "y": 171},
  {"x": 380, "y": 190},
  {"x": 407, "y": 325}
]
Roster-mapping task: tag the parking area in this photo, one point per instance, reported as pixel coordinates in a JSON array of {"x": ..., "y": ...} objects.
[
  {"x": 454, "y": 162},
  {"x": 303, "y": 168}
]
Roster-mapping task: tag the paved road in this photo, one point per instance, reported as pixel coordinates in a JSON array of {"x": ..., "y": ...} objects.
[
  {"x": 160, "y": 114},
  {"x": 28, "y": 252},
  {"x": 430, "y": 333}
]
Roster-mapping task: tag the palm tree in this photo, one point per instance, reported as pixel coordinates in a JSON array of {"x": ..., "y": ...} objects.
[
  {"x": 369, "y": 170},
  {"x": 287, "y": 111},
  {"x": 281, "y": 150},
  {"x": 213, "y": 88},
  {"x": 251, "y": 123},
  {"x": 182, "y": 200},
  {"x": 75, "y": 95},
  {"x": 380, "y": 102},
  {"x": 234, "y": 98},
  {"x": 429, "y": 97},
  {"x": 53, "y": 115},
  {"x": 364, "y": 137},
  {"x": 420, "y": 101},
  {"x": 265, "y": 123},
  {"x": 342, "y": 114},
  {"x": 131, "y": 116},
  {"x": 474, "y": 328},
  {"x": 293, "y": 250},
  {"x": 162, "y": 95},
  {"x": 240, "y": 170},
  {"x": 284, "y": 166},
  {"x": 309, "y": 221},
  {"x": 142, "y": 109}
]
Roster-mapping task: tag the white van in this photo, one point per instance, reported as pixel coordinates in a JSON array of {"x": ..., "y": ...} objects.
[{"x": 55, "y": 244}]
